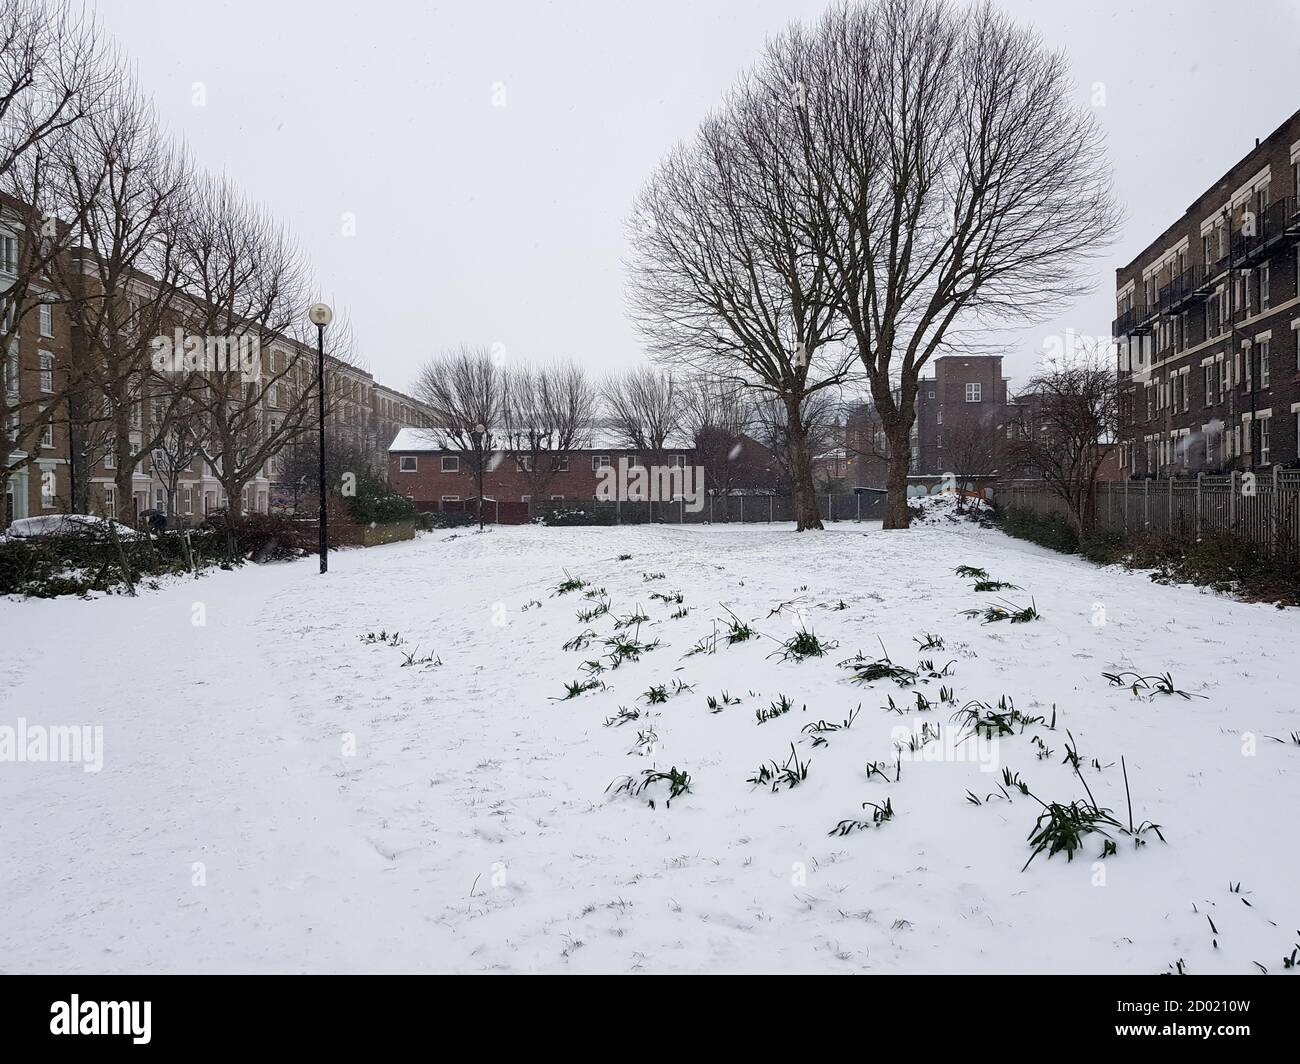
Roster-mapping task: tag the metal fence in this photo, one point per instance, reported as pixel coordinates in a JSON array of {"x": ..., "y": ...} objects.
[
  {"x": 1260, "y": 508},
  {"x": 735, "y": 509}
]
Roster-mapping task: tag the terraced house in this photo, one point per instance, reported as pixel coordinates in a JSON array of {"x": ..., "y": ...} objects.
[{"x": 1206, "y": 326}]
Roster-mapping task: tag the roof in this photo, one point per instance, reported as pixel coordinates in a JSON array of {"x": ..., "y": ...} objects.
[{"x": 410, "y": 440}]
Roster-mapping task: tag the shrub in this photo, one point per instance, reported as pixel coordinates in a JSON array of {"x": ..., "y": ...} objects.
[
  {"x": 560, "y": 514},
  {"x": 376, "y": 502},
  {"x": 448, "y": 519}
]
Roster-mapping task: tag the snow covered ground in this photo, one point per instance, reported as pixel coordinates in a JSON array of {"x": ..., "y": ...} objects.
[{"x": 279, "y": 795}]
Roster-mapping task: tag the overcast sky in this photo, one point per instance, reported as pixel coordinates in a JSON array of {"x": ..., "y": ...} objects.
[{"x": 504, "y": 224}]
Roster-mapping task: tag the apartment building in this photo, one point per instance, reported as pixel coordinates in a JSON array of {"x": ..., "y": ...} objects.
[
  {"x": 1206, "y": 326},
  {"x": 35, "y": 365},
  {"x": 962, "y": 406},
  {"x": 364, "y": 413}
]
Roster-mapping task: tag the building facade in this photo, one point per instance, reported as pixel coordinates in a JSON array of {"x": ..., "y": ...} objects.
[
  {"x": 1206, "y": 326},
  {"x": 961, "y": 411}
]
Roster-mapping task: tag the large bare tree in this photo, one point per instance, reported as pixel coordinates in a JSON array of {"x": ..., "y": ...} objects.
[
  {"x": 953, "y": 179},
  {"x": 548, "y": 410},
  {"x": 468, "y": 392},
  {"x": 246, "y": 288},
  {"x": 54, "y": 73},
  {"x": 726, "y": 279},
  {"x": 130, "y": 189}
]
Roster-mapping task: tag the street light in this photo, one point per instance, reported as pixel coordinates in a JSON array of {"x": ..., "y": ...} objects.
[
  {"x": 480, "y": 430},
  {"x": 320, "y": 316}
]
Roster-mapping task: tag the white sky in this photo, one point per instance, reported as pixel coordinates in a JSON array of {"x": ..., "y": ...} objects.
[{"x": 486, "y": 224}]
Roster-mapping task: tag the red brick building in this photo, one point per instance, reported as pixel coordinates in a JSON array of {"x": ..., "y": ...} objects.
[{"x": 1207, "y": 322}]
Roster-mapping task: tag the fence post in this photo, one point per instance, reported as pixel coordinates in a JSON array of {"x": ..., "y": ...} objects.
[
  {"x": 1273, "y": 516},
  {"x": 858, "y": 508},
  {"x": 1126, "y": 483},
  {"x": 1232, "y": 500},
  {"x": 1170, "y": 529},
  {"x": 769, "y": 509},
  {"x": 710, "y": 509},
  {"x": 1146, "y": 504},
  {"x": 1199, "y": 477},
  {"x": 742, "y": 509}
]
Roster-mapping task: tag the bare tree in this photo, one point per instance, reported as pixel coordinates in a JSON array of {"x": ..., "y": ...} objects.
[
  {"x": 130, "y": 188},
  {"x": 1076, "y": 403},
  {"x": 974, "y": 445},
  {"x": 246, "y": 289},
  {"x": 643, "y": 409},
  {"x": 54, "y": 71},
  {"x": 818, "y": 429},
  {"x": 468, "y": 392},
  {"x": 725, "y": 277},
  {"x": 718, "y": 417},
  {"x": 179, "y": 448},
  {"x": 952, "y": 179},
  {"x": 547, "y": 411}
]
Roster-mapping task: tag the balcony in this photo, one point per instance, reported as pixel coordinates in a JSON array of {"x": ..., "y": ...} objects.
[
  {"x": 1134, "y": 322},
  {"x": 1184, "y": 291},
  {"x": 1277, "y": 227}
]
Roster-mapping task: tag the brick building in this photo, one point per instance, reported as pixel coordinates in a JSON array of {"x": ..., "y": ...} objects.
[
  {"x": 1206, "y": 326},
  {"x": 964, "y": 403},
  {"x": 441, "y": 478}
]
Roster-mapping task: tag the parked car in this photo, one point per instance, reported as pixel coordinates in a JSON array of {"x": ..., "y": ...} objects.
[{"x": 54, "y": 525}]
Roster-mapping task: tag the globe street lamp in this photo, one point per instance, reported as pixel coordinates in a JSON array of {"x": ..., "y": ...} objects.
[{"x": 320, "y": 316}]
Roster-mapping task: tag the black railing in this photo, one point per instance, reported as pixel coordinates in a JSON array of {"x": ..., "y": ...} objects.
[
  {"x": 1135, "y": 321},
  {"x": 1187, "y": 288}
]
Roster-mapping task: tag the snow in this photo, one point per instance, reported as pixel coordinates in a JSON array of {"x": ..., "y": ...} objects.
[
  {"x": 471, "y": 829},
  {"x": 63, "y": 525},
  {"x": 418, "y": 440}
]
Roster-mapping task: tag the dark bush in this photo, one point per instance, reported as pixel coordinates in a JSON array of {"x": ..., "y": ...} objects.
[
  {"x": 376, "y": 503},
  {"x": 561, "y": 514},
  {"x": 448, "y": 519},
  {"x": 1052, "y": 530}
]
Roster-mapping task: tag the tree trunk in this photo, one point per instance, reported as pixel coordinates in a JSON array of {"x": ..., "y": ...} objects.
[
  {"x": 806, "y": 514},
  {"x": 900, "y": 461}
]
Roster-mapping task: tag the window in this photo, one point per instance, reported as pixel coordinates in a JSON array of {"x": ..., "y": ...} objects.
[
  {"x": 557, "y": 498},
  {"x": 561, "y": 463},
  {"x": 1265, "y": 296},
  {"x": 677, "y": 461},
  {"x": 8, "y": 253},
  {"x": 1265, "y": 370},
  {"x": 187, "y": 499},
  {"x": 47, "y": 435},
  {"x": 973, "y": 393},
  {"x": 110, "y": 499},
  {"x": 47, "y": 372},
  {"x": 930, "y": 395},
  {"x": 939, "y": 416},
  {"x": 1225, "y": 372},
  {"x": 1265, "y": 439},
  {"x": 599, "y": 461},
  {"x": 451, "y": 464},
  {"x": 525, "y": 498},
  {"x": 407, "y": 463},
  {"x": 46, "y": 317},
  {"x": 451, "y": 498}
]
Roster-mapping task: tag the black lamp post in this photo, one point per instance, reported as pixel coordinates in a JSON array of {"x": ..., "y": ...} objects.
[
  {"x": 321, "y": 316},
  {"x": 480, "y": 431}
]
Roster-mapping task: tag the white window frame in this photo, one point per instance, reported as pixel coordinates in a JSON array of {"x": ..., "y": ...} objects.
[
  {"x": 47, "y": 372},
  {"x": 449, "y": 498},
  {"x": 454, "y": 467},
  {"x": 402, "y": 467},
  {"x": 599, "y": 462},
  {"x": 974, "y": 392}
]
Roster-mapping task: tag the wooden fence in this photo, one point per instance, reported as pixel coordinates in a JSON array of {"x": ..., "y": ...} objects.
[{"x": 1261, "y": 508}]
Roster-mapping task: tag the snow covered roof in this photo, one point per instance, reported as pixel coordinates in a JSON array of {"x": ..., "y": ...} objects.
[{"x": 410, "y": 440}]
